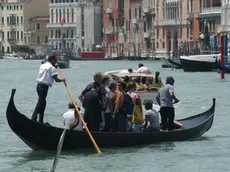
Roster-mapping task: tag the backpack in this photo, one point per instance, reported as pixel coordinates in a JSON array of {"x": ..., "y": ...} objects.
[{"x": 128, "y": 106}]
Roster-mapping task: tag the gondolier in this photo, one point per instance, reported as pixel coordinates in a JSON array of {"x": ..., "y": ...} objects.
[{"x": 47, "y": 74}]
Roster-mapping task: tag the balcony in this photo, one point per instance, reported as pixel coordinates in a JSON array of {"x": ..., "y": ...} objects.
[
  {"x": 170, "y": 22},
  {"x": 59, "y": 25},
  {"x": 12, "y": 41},
  {"x": 109, "y": 10},
  {"x": 211, "y": 10},
  {"x": 189, "y": 15},
  {"x": 108, "y": 30},
  {"x": 134, "y": 20},
  {"x": 146, "y": 10},
  {"x": 146, "y": 35}
]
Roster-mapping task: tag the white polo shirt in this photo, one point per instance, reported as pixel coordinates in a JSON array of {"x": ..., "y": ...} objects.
[
  {"x": 69, "y": 119},
  {"x": 46, "y": 73}
]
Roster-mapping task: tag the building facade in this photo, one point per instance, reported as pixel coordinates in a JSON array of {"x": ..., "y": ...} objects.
[
  {"x": 225, "y": 20},
  {"x": 74, "y": 25},
  {"x": 113, "y": 24},
  {"x": 15, "y": 15},
  {"x": 37, "y": 35}
]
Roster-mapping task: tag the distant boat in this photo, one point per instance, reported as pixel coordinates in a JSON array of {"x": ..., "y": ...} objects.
[
  {"x": 199, "y": 62},
  {"x": 13, "y": 57},
  {"x": 62, "y": 61}
]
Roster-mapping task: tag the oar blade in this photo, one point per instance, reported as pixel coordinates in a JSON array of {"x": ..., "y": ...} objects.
[{"x": 60, "y": 144}]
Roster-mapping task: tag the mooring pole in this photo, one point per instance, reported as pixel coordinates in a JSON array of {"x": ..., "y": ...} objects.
[{"x": 222, "y": 55}]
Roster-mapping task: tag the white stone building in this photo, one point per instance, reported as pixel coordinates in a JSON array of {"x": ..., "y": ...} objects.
[
  {"x": 74, "y": 24},
  {"x": 225, "y": 16},
  {"x": 14, "y": 25}
]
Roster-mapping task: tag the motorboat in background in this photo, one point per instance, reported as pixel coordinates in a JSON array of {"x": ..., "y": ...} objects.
[
  {"x": 12, "y": 57},
  {"x": 199, "y": 63}
]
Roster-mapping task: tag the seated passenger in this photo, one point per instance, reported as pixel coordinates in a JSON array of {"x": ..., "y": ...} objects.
[
  {"x": 139, "y": 84},
  {"x": 152, "y": 123},
  {"x": 143, "y": 69},
  {"x": 157, "y": 80},
  {"x": 71, "y": 118}
]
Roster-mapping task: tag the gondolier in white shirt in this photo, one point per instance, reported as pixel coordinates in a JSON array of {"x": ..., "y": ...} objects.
[{"x": 47, "y": 75}]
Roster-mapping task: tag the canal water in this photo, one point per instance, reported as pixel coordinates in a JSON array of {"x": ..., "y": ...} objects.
[{"x": 210, "y": 153}]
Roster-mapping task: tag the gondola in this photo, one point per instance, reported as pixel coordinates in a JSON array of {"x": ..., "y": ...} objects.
[{"x": 45, "y": 137}]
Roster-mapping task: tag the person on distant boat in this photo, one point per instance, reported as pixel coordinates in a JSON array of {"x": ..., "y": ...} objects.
[
  {"x": 152, "y": 123},
  {"x": 157, "y": 80},
  {"x": 93, "y": 105},
  {"x": 47, "y": 75},
  {"x": 126, "y": 71},
  {"x": 165, "y": 99},
  {"x": 139, "y": 84},
  {"x": 143, "y": 69},
  {"x": 71, "y": 118}
]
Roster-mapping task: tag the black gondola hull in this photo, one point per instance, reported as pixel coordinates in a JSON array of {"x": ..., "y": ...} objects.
[{"x": 40, "y": 136}]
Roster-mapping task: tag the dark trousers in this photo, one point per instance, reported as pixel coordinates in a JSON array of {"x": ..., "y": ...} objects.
[
  {"x": 122, "y": 122},
  {"x": 167, "y": 117},
  {"x": 42, "y": 91}
]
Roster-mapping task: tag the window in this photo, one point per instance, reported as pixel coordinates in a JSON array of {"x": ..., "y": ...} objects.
[
  {"x": 52, "y": 16},
  {"x": 17, "y": 20},
  {"x": 2, "y": 20},
  {"x": 38, "y": 39},
  {"x": 38, "y": 26},
  {"x": 21, "y": 19},
  {"x": 17, "y": 35},
  {"x": 46, "y": 39},
  {"x": 21, "y": 35},
  {"x": 2, "y": 35}
]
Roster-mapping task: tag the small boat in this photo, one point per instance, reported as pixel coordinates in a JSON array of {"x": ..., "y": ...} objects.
[
  {"x": 13, "y": 57},
  {"x": 146, "y": 94},
  {"x": 46, "y": 137},
  {"x": 176, "y": 63},
  {"x": 199, "y": 63}
]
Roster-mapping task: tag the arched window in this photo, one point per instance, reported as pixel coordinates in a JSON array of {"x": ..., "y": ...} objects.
[
  {"x": 38, "y": 26},
  {"x": 72, "y": 14},
  {"x": 67, "y": 15},
  {"x": 60, "y": 16},
  {"x": 38, "y": 39},
  {"x": 56, "y": 16},
  {"x": 52, "y": 16}
]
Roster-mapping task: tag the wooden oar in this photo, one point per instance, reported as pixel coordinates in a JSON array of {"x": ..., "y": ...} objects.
[
  {"x": 79, "y": 114},
  {"x": 58, "y": 150}
]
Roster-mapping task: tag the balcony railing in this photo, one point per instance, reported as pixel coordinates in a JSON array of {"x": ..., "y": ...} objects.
[
  {"x": 170, "y": 22},
  {"x": 51, "y": 25},
  {"x": 211, "y": 10}
]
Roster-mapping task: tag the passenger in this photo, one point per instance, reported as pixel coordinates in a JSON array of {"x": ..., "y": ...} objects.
[
  {"x": 139, "y": 84},
  {"x": 137, "y": 117},
  {"x": 107, "y": 106},
  {"x": 165, "y": 99},
  {"x": 93, "y": 106},
  {"x": 119, "y": 114},
  {"x": 151, "y": 118},
  {"x": 157, "y": 80},
  {"x": 126, "y": 71},
  {"x": 143, "y": 69},
  {"x": 126, "y": 79},
  {"x": 97, "y": 78},
  {"x": 113, "y": 89},
  {"x": 71, "y": 118}
]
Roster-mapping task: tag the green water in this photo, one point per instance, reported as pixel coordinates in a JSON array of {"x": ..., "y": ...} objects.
[{"x": 210, "y": 153}]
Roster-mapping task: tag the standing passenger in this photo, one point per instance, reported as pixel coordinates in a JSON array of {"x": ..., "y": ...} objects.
[
  {"x": 165, "y": 99},
  {"x": 93, "y": 106}
]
